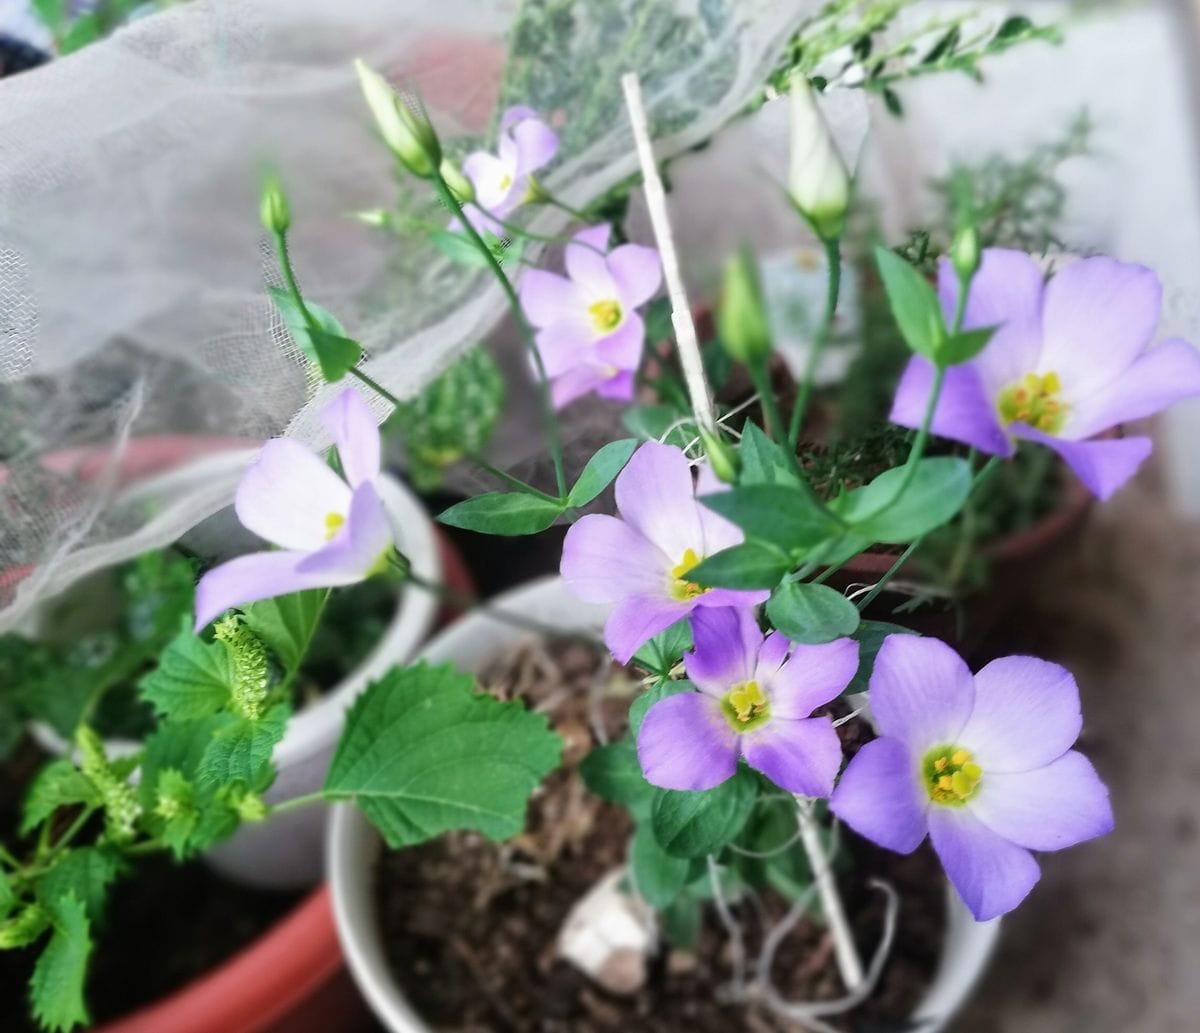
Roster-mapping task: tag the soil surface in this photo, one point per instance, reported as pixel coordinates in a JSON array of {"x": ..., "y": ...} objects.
[{"x": 471, "y": 926}]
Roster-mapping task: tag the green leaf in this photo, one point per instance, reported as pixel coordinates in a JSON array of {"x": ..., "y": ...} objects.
[
  {"x": 681, "y": 921},
  {"x": 780, "y": 514},
  {"x": 286, "y": 623},
  {"x": 505, "y": 513},
  {"x": 659, "y": 691},
  {"x": 56, "y": 988},
  {"x": 423, "y": 753},
  {"x": 8, "y": 899},
  {"x": 914, "y": 304},
  {"x": 85, "y": 872},
  {"x": 666, "y": 649},
  {"x": 747, "y": 566},
  {"x": 459, "y": 248},
  {"x": 1016, "y": 25},
  {"x": 763, "y": 461},
  {"x": 600, "y": 471},
  {"x": 177, "y": 746},
  {"x": 870, "y": 637},
  {"x": 613, "y": 773},
  {"x": 658, "y": 877},
  {"x": 937, "y": 492},
  {"x": 964, "y": 345},
  {"x": 695, "y": 824},
  {"x": 84, "y": 30},
  {"x": 327, "y": 345},
  {"x": 657, "y": 317},
  {"x": 811, "y": 613},
  {"x": 192, "y": 679},
  {"x": 58, "y": 784},
  {"x": 240, "y": 749}
]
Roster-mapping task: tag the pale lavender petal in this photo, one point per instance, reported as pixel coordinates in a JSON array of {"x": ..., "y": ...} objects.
[
  {"x": 637, "y": 271},
  {"x": 360, "y": 546},
  {"x": 965, "y": 411},
  {"x": 654, "y": 494},
  {"x": 812, "y": 677},
  {"x": 537, "y": 144},
  {"x": 355, "y": 433},
  {"x": 879, "y": 797},
  {"x": 587, "y": 265},
  {"x": 547, "y": 298},
  {"x": 623, "y": 347},
  {"x": 799, "y": 756},
  {"x": 772, "y": 654},
  {"x": 1164, "y": 375},
  {"x": 991, "y": 874},
  {"x": 514, "y": 115},
  {"x": 575, "y": 383},
  {"x": 605, "y": 560},
  {"x": 636, "y": 620},
  {"x": 1099, "y": 315},
  {"x": 1103, "y": 465},
  {"x": 1051, "y": 808},
  {"x": 732, "y": 597},
  {"x": 686, "y": 743},
  {"x": 618, "y": 387},
  {"x": 726, "y": 643},
  {"x": 719, "y": 533},
  {"x": 1026, "y": 714},
  {"x": 921, "y": 692},
  {"x": 287, "y": 495},
  {"x": 1006, "y": 293},
  {"x": 247, "y": 579},
  {"x": 566, "y": 345},
  {"x": 491, "y": 178}
]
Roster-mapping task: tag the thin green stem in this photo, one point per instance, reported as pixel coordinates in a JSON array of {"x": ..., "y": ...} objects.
[
  {"x": 521, "y": 231},
  {"x": 766, "y": 398},
  {"x": 296, "y": 802},
  {"x": 374, "y": 385},
  {"x": 820, "y": 340},
  {"x": 510, "y": 480},
  {"x": 548, "y": 198}
]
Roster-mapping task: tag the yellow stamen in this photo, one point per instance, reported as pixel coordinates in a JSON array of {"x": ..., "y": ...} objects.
[
  {"x": 951, "y": 775},
  {"x": 1034, "y": 400},
  {"x": 505, "y": 183},
  {"x": 746, "y": 706},
  {"x": 680, "y": 588},
  {"x": 606, "y": 315},
  {"x": 333, "y": 524}
]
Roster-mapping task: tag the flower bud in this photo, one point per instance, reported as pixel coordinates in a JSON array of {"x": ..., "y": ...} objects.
[
  {"x": 965, "y": 255},
  {"x": 461, "y": 187},
  {"x": 721, "y": 456},
  {"x": 819, "y": 184},
  {"x": 273, "y": 208},
  {"x": 742, "y": 319},
  {"x": 409, "y": 135}
]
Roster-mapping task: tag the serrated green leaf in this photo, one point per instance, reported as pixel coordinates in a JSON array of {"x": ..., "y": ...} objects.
[
  {"x": 504, "y": 513},
  {"x": 192, "y": 679},
  {"x": 327, "y": 345},
  {"x": 58, "y": 784},
  {"x": 663, "y": 688},
  {"x": 286, "y": 623},
  {"x": 750, "y": 565},
  {"x": 177, "y": 746},
  {"x": 764, "y": 461},
  {"x": 85, "y": 872},
  {"x": 658, "y": 876},
  {"x": 695, "y": 824},
  {"x": 811, "y": 613},
  {"x": 600, "y": 471},
  {"x": 937, "y": 492},
  {"x": 613, "y": 773},
  {"x": 666, "y": 649},
  {"x": 240, "y": 749},
  {"x": 913, "y": 302},
  {"x": 423, "y": 753},
  {"x": 780, "y": 514},
  {"x": 56, "y": 988},
  {"x": 870, "y": 636},
  {"x": 175, "y": 811}
]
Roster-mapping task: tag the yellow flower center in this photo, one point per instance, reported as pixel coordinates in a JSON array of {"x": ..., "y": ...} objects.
[
  {"x": 1034, "y": 400},
  {"x": 951, "y": 775},
  {"x": 506, "y": 181},
  {"x": 746, "y": 706},
  {"x": 606, "y": 315},
  {"x": 333, "y": 524},
  {"x": 680, "y": 589}
]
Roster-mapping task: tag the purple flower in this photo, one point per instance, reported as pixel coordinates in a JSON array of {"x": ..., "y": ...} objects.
[
  {"x": 329, "y": 531},
  {"x": 502, "y": 181},
  {"x": 755, "y": 701},
  {"x": 588, "y": 333},
  {"x": 1069, "y": 361},
  {"x": 641, "y": 561},
  {"x": 982, "y": 764}
]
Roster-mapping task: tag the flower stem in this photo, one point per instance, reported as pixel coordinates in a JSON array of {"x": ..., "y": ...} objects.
[
  {"x": 820, "y": 340},
  {"x": 296, "y": 802},
  {"x": 766, "y": 397},
  {"x": 848, "y": 961},
  {"x": 510, "y": 480}
]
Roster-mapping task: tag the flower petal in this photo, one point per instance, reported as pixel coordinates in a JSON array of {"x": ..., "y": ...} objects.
[
  {"x": 921, "y": 692},
  {"x": 965, "y": 411},
  {"x": 1050, "y": 808},
  {"x": 513, "y": 115},
  {"x": 537, "y": 144},
  {"x": 799, "y": 756},
  {"x": 1099, "y": 315},
  {"x": 604, "y": 560},
  {"x": 623, "y": 347},
  {"x": 812, "y": 677},
  {"x": 636, "y": 620},
  {"x": 772, "y": 654},
  {"x": 879, "y": 798},
  {"x": 1165, "y": 374},
  {"x": 1026, "y": 714},
  {"x": 1104, "y": 466},
  {"x": 355, "y": 433},
  {"x": 726, "y": 642},
  {"x": 637, "y": 271},
  {"x": 566, "y": 345},
  {"x": 587, "y": 262},
  {"x": 991, "y": 874},
  {"x": 719, "y": 533},
  {"x": 654, "y": 494},
  {"x": 286, "y": 495},
  {"x": 491, "y": 178},
  {"x": 732, "y": 597},
  {"x": 358, "y": 548},
  {"x": 619, "y": 387},
  {"x": 686, "y": 743},
  {"x": 575, "y": 383},
  {"x": 247, "y": 579},
  {"x": 547, "y": 298}
]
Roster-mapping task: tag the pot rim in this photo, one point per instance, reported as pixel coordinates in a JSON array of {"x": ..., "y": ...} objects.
[{"x": 353, "y": 845}]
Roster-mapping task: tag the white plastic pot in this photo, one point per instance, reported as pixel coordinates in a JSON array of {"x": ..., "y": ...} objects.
[
  {"x": 286, "y": 851},
  {"x": 354, "y": 847}
]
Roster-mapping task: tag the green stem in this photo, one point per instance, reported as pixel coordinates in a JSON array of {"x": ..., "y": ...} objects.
[
  {"x": 520, "y": 231},
  {"x": 374, "y": 385},
  {"x": 296, "y": 802},
  {"x": 510, "y": 480},
  {"x": 547, "y": 198},
  {"x": 820, "y": 339},
  {"x": 766, "y": 397},
  {"x": 551, "y": 420}
]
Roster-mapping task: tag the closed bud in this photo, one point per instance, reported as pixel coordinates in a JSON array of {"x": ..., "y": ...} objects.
[
  {"x": 408, "y": 134},
  {"x": 742, "y": 318},
  {"x": 721, "y": 456},
  {"x": 818, "y": 183},
  {"x": 965, "y": 255},
  {"x": 461, "y": 187},
  {"x": 273, "y": 206}
]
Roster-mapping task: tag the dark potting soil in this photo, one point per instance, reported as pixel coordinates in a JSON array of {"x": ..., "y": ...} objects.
[{"x": 471, "y": 926}]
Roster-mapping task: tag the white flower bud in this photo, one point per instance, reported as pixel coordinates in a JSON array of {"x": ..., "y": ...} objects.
[
  {"x": 409, "y": 136},
  {"x": 819, "y": 184}
]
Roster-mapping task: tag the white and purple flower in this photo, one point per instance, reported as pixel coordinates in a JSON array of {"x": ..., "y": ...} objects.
[
  {"x": 982, "y": 764},
  {"x": 755, "y": 701},
  {"x": 329, "y": 531},
  {"x": 640, "y": 562},
  {"x": 503, "y": 181},
  {"x": 1069, "y": 361},
  {"x": 589, "y": 334}
]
